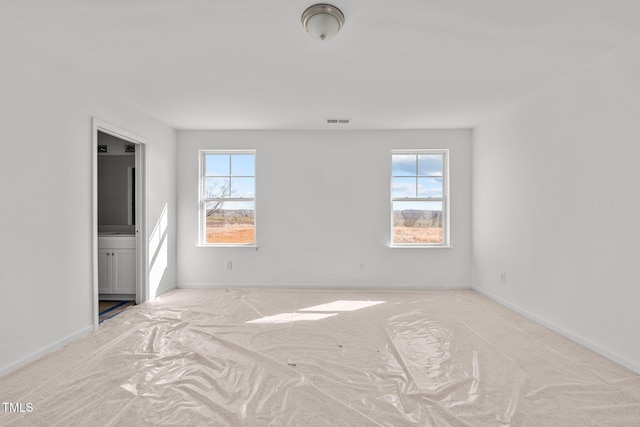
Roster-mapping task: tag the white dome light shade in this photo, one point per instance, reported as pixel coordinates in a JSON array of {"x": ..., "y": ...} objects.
[
  {"x": 323, "y": 26},
  {"x": 322, "y": 21}
]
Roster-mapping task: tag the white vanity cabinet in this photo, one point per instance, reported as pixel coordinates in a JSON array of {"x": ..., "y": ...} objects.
[{"x": 116, "y": 265}]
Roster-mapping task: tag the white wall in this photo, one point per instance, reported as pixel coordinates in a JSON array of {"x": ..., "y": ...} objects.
[
  {"x": 46, "y": 197},
  {"x": 322, "y": 210},
  {"x": 556, "y": 205}
]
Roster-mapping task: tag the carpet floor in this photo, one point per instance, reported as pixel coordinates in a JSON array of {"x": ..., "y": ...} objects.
[{"x": 258, "y": 357}]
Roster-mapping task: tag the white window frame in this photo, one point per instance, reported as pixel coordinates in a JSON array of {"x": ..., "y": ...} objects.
[
  {"x": 202, "y": 200},
  {"x": 446, "y": 231}
]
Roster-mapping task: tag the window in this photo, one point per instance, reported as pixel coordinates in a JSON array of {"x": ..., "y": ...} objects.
[
  {"x": 419, "y": 198},
  {"x": 228, "y": 197}
]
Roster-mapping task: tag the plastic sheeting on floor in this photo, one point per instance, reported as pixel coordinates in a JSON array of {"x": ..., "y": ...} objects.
[{"x": 322, "y": 358}]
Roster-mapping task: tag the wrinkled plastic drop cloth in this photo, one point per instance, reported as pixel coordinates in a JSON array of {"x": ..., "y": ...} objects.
[{"x": 322, "y": 358}]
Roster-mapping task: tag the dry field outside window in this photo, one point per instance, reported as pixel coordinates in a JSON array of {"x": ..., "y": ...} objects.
[
  {"x": 417, "y": 235},
  {"x": 417, "y": 226},
  {"x": 234, "y": 228},
  {"x": 230, "y": 234}
]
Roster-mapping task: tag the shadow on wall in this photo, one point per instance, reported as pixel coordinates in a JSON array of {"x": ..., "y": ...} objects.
[{"x": 158, "y": 259}]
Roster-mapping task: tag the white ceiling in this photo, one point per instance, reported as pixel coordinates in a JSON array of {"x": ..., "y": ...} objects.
[{"x": 248, "y": 64}]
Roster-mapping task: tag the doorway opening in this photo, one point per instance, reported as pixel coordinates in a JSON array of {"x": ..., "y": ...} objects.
[{"x": 120, "y": 273}]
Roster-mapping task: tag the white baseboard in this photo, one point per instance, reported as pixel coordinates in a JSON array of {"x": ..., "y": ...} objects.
[
  {"x": 566, "y": 333},
  {"x": 317, "y": 286},
  {"x": 5, "y": 370}
]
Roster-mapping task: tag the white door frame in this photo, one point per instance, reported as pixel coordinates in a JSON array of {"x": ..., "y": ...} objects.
[{"x": 142, "y": 257}]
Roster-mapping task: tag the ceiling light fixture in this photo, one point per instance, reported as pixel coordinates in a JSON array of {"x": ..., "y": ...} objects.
[{"x": 322, "y": 21}]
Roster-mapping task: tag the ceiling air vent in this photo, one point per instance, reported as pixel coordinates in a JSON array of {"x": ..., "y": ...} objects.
[{"x": 338, "y": 121}]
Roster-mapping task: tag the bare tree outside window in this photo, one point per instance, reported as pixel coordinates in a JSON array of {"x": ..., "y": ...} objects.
[{"x": 217, "y": 192}]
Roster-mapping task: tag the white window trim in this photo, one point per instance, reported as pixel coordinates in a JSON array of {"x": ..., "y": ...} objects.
[
  {"x": 202, "y": 218},
  {"x": 446, "y": 229}
]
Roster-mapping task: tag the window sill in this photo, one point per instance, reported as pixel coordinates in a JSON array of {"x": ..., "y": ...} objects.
[{"x": 419, "y": 247}]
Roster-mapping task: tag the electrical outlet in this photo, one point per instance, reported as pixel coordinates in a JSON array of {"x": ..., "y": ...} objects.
[
  {"x": 228, "y": 265},
  {"x": 503, "y": 277}
]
